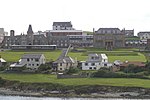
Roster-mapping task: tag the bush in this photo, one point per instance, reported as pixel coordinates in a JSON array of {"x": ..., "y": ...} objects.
[
  {"x": 109, "y": 74},
  {"x": 44, "y": 67},
  {"x": 72, "y": 70},
  {"x": 133, "y": 69}
]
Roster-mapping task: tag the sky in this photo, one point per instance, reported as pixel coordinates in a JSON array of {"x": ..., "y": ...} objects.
[{"x": 83, "y": 14}]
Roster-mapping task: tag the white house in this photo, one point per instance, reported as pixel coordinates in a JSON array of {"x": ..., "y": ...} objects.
[
  {"x": 31, "y": 61},
  {"x": 64, "y": 63},
  {"x": 95, "y": 62}
]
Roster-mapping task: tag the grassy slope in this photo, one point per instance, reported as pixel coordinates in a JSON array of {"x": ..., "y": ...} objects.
[
  {"x": 135, "y": 57},
  {"x": 12, "y": 56},
  {"x": 128, "y": 54},
  {"x": 78, "y": 81}
]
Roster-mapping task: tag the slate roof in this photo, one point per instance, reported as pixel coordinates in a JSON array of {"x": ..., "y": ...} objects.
[
  {"x": 25, "y": 56},
  {"x": 2, "y": 60},
  {"x": 65, "y": 59},
  {"x": 142, "y": 33},
  {"x": 108, "y": 30},
  {"x": 63, "y": 24}
]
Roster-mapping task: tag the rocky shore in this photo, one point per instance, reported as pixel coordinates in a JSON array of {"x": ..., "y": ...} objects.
[
  {"x": 101, "y": 94},
  {"x": 58, "y": 90}
]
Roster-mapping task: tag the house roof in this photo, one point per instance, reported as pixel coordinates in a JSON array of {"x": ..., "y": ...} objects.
[
  {"x": 25, "y": 56},
  {"x": 64, "y": 24},
  {"x": 104, "y": 56},
  {"x": 65, "y": 59},
  {"x": 94, "y": 54},
  {"x": 145, "y": 32},
  {"x": 108, "y": 30},
  {"x": 2, "y": 60},
  {"x": 136, "y": 63}
]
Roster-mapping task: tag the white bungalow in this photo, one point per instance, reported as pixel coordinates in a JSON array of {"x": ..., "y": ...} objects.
[
  {"x": 31, "y": 61},
  {"x": 95, "y": 62}
]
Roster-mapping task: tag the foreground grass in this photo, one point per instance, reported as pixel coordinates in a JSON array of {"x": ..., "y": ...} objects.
[{"x": 42, "y": 78}]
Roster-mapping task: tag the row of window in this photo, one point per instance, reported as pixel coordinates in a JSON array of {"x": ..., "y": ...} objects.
[
  {"x": 93, "y": 64},
  {"x": 32, "y": 59},
  {"x": 33, "y": 64},
  {"x": 92, "y": 68}
]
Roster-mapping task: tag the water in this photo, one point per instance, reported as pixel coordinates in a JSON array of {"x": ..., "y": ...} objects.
[{"x": 52, "y": 98}]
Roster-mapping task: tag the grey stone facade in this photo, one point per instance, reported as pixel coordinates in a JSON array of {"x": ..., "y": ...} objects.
[
  {"x": 28, "y": 39},
  {"x": 109, "y": 38},
  {"x": 129, "y": 33},
  {"x": 62, "y": 26}
]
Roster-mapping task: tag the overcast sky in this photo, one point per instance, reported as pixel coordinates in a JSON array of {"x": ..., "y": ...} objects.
[{"x": 84, "y": 14}]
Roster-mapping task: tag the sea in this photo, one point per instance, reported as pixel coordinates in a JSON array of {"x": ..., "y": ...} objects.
[{"x": 53, "y": 98}]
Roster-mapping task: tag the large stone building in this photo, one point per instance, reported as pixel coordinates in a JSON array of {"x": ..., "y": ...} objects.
[
  {"x": 41, "y": 40},
  {"x": 60, "y": 34},
  {"x": 129, "y": 33},
  {"x": 144, "y": 35},
  {"x": 24, "y": 39},
  {"x": 62, "y": 26},
  {"x": 109, "y": 38},
  {"x": 2, "y": 34}
]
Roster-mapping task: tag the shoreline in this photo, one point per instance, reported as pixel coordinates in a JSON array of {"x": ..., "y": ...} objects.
[
  {"x": 125, "y": 95},
  {"x": 16, "y": 88}
]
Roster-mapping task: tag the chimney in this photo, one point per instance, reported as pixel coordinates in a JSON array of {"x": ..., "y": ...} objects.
[{"x": 12, "y": 33}]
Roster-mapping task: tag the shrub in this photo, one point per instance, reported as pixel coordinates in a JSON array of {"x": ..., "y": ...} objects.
[
  {"x": 133, "y": 69},
  {"x": 109, "y": 74},
  {"x": 72, "y": 70},
  {"x": 44, "y": 67}
]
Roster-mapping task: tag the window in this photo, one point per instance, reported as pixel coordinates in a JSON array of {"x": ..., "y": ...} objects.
[
  {"x": 90, "y": 67},
  {"x": 60, "y": 68},
  {"x": 31, "y": 59},
  {"x": 95, "y": 68},
  {"x": 37, "y": 64},
  {"x": 104, "y": 60},
  {"x": 60, "y": 64},
  {"x": 93, "y": 64},
  {"x": 36, "y": 60},
  {"x": 92, "y": 57},
  {"x": 29, "y": 64},
  {"x": 32, "y": 64},
  {"x": 28, "y": 59},
  {"x": 86, "y": 64},
  {"x": 105, "y": 64}
]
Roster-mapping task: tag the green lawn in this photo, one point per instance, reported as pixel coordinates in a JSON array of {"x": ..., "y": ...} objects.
[
  {"x": 117, "y": 54},
  {"x": 132, "y": 82},
  {"x": 139, "y": 57},
  {"x": 122, "y": 54},
  {"x": 13, "y": 56}
]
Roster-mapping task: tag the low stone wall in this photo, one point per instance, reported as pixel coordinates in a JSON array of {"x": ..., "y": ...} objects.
[{"x": 70, "y": 76}]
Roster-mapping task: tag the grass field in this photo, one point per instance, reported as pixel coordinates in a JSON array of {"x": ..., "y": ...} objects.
[
  {"x": 117, "y": 54},
  {"x": 131, "y": 82},
  {"x": 13, "y": 56}
]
